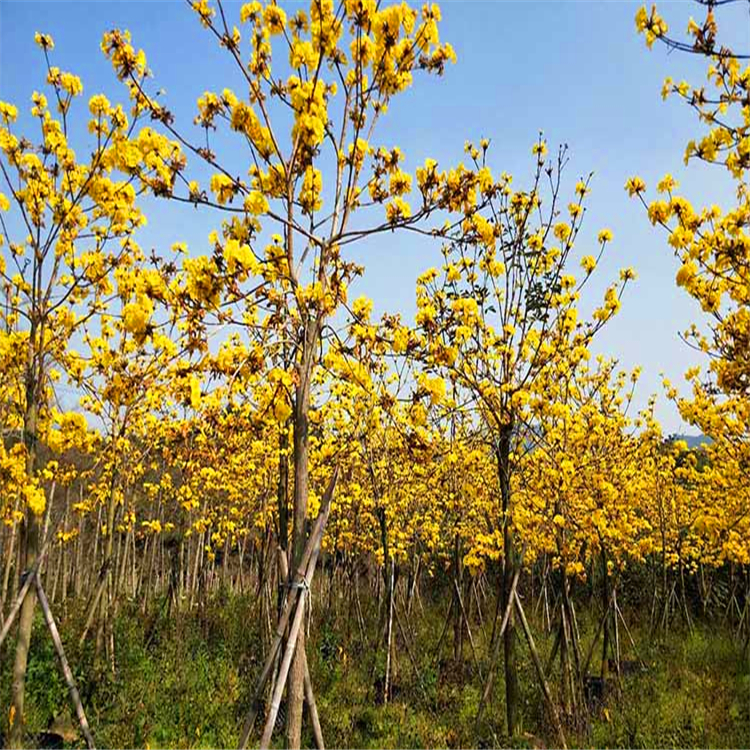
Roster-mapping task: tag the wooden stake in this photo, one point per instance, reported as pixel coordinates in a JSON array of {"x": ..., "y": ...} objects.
[
  {"x": 305, "y": 573},
  {"x": 17, "y": 605},
  {"x": 389, "y": 635},
  {"x": 585, "y": 669},
  {"x": 309, "y": 693},
  {"x": 411, "y": 655},
  {"x": 540, "y": 671},
  {"x": 72, "y": 689},
  {"x": 468, "y": 629},
  {"x": 286, "y": 662},
  {"x": 627, "y": 630},
  {"x": 499, "y": 638},
  {"x": 14, "y": 610}
]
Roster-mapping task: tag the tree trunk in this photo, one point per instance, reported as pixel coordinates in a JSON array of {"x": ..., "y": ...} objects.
[
  {"x": 458, "y": 621},
  {"x": 605, "y": 601},
  {"x": 10, "y": 558},
  {"x": 509, "y": 568},
  {"x": 296, "y": 686},
  {"x": 30, "y": 543},
  {"x": 389, "y": 635}
]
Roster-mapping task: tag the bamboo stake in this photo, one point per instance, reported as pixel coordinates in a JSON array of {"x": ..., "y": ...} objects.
[
  {"x": 411, "y": 655},
  {"x": 499, "y": 638},
  {"x": 389, "y": 636},
  {"x": 540, "y": 671},
  {"x": 17, "y": 604},
  {"x": 270, "y": 659},
  {"x": 97, "y": 596},
  {"x": 309, "y": 693},
  {"x": 291, "y": 645},
  {"x": 286, "y": 663},
  {"x": 479, "y": 606},
  {"x": 305, "y": 573},
  {"x": 29, "y": 579},
  {"x": 553, "y": 653},
  {"x": 617, "y": 637},
  {"x": 313, "y": 708},
  {"x": 72, "y": 689},
  {"x": 627, "y": 631},
  {"x": 596, "y": 638},
  {"x": 358, "y": 609},
  {"x": 468, "y": 629},
  {"x": 445, "y": 627}
]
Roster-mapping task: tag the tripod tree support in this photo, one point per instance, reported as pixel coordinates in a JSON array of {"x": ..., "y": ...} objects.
[
  {"x": 67, "y": 673},
  {"x": 295, "y": 596}
]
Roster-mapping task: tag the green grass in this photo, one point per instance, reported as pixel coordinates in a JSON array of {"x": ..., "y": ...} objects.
[
  {"x": 186, "y": 681},
  {"x": 696, "y": 693}
]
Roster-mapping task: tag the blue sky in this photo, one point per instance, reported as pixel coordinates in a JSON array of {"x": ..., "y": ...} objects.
[{"x": 575, "y": 69}]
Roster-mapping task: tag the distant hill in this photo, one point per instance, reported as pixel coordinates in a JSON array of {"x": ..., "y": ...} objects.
[{"x": 693, "y": 441}]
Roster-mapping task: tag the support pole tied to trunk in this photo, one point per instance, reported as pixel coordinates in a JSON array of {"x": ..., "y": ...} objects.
[{"x": 303, "y": 584}]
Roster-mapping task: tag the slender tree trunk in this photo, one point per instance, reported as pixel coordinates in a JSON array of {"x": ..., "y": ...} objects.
[
  {"x": 605, "y": 600},
  {"x": 30, "y": 542},
  {"x": 509, "y": 568},
  {"x": 296, "y": 686},
  {"x": 77, "y": 580},
  {"x": 389, "y": 635},
  {"x": 459, "y": 614},
  {"x": 92, "y": 576},
  {"x": 60, "y": 564},
  {"x": 282, "y": 505},
  {"x": 10, "y": 558},
  {"x": 282, "y": 490}
]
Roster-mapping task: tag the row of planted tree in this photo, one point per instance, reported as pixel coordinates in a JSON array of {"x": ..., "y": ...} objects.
[{"x": 229, "y": 398}]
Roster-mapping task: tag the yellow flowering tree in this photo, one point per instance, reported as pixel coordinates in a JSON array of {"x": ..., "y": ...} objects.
[
  {"x": 69, "y": 224},
  {"x": 320, "y": 183},
  {"x": 712, "y": 246},
  {"x": 504, "y": 309}
]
